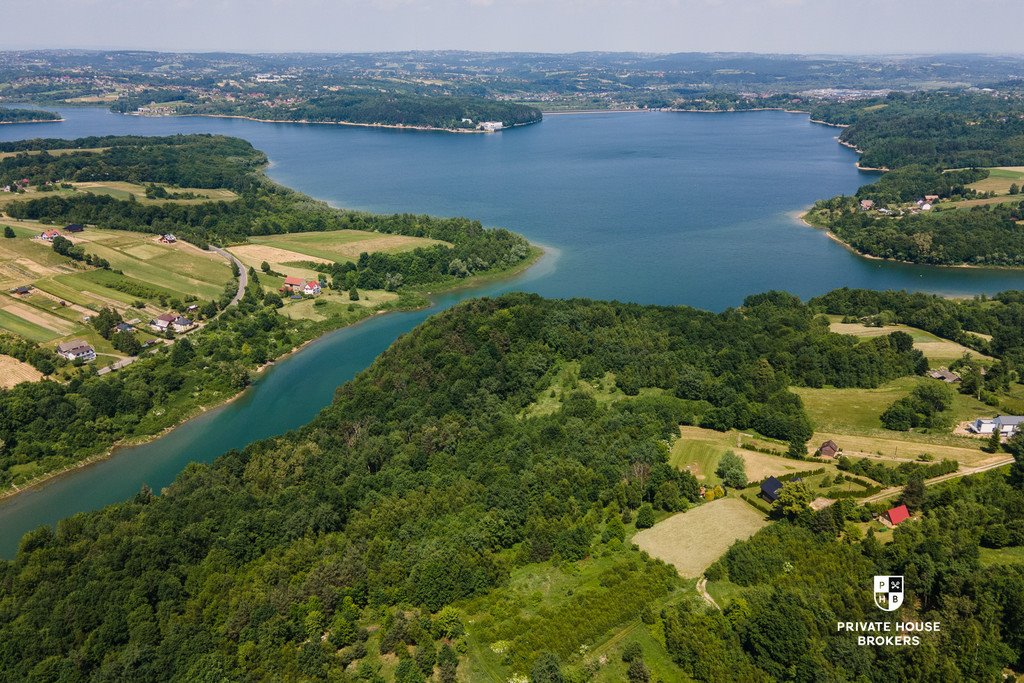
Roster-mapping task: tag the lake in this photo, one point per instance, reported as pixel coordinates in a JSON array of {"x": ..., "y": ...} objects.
[{"x": 657, "y": 207}]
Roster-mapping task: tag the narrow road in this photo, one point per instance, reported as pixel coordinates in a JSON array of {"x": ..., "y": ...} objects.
[
  {"x": 702, "y": 590},
  {"x": 243, "y": 273},
  {"x": 243, "y": 282},
  {"x": 965, "y": 472}
]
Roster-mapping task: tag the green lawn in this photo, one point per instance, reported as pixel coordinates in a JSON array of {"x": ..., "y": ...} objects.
[
  {"x": 341, "y": 245},
  {"x": 24, "y": 328},
  {"x": 994, "y": 557}
]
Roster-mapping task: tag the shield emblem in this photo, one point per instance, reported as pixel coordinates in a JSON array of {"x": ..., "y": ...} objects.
[{"x": 889, "y": 592}]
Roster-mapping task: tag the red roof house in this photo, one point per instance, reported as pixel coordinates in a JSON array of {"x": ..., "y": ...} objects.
[
  {"x": 898, "y": 514},
  {"x": 50, "y": 234},
  {"x": 293, "y": 283}
]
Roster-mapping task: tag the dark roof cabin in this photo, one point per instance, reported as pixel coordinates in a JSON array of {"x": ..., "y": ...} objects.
[
  {"x": 828, "y": 449},
  {"x": 74, "y": 227},
  {"x": 770, "y": 488}
]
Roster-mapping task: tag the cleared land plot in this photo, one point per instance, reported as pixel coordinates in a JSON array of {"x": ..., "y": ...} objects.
[
  {"x": 333, "y": 304},
  {"x": 13, "y": 371},
  {"x": 25, "y": 329},
  {"x": 53, "y": 152},
  {"x": 936, "y": 349},
  {"x": 691, "y": 541},
  {"x": 280, "y": 260},
  {"x": 37, "y": 316},
  {"x": 999, "y": 179},
  {"x": 699, "y": 450},
  {"x": 341, "y": 245},
  {"x": 123, "y": 190}
]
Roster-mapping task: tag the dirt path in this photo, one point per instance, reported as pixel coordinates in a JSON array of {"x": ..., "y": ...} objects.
[
  {"x": 702, "y": 590},
  {"x": 965, "y": 472}
]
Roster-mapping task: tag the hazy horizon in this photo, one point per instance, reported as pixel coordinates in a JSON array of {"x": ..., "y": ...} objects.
[{"x": 807, "y": 27}]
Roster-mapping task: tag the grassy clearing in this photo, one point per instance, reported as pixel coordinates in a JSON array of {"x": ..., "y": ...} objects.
[
  {"x": 999, "y": 180},
  {"x": 13, "y": 371},
  {"x": 338, "y": 245},
  {"x": 936, "y": 349},
  {"x": 699, "y": 450},
  {"x": 124, "y": 190},
  {"x": 53, "y": 152},
  {"x": 691, "y": 541},
  {"x": 25, "y": 329},
  {"x": 994, "y": 557},
  {"x": 566, "y": 379}
]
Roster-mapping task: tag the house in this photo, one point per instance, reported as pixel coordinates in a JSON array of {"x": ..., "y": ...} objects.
[
  {"x": 24, "y": 289},
  {"x": 770, "y": 489},
  {"x": 168, "y": 238},
  {"x": 192, "y": 307},
  {"x": 926, "y": 207},
  {"x": 490, "y": 126},
  {"x": 1006, "y": 425},
  {"x": 122, "y": 327},
  {"x": 74, "y": 227},
  {"x": 182, "y": 324},
  {"x": 49, "y": 235},
  {"x": 944, "y": 375},
  {"x": 312, "y": 288},
  {"x": 162, "y": 322},
  {"x": 931, "y": 198},
  {"x": 294, "y": 284},
  {"x": 78, "y": 349},
  {"x": 829, "y": 449},
  {"x": 867, "y": 204},
  {"x": 898, "y": 514}
]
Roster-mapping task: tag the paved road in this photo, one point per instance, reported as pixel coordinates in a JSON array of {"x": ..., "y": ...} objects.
[
  {"x": 243, "y": 273},
  {"x": 243, "y": 282}
]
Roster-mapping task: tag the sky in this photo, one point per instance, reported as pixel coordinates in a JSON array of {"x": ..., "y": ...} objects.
[{"x": 792, "y": 26}]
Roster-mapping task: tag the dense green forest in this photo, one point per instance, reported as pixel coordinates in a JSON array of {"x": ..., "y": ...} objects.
[
  {"x": 359, "y": 106},
  {"x": 12, "y": 115},
  {"x": 954, "y": 129},
  {"x": 424, "y": 486},
  {"x": 263, "y": 208}
]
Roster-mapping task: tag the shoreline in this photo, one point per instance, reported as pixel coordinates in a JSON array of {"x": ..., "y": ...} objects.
[
  {"x": 390, "y": 126},
  {"x": 13, "y": 123},
  {"x": 537, "y": 252},
  {"x": 802, "y": 217}
]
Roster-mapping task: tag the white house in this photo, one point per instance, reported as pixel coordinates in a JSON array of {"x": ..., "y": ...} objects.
[
  {"x": 1007, "y": 425},
  {"x": 78, "y": 349},
  {"x": 182, "y": 324},
  {"x": 312, "y": 288},
  {"x": 491, "y": 126}
]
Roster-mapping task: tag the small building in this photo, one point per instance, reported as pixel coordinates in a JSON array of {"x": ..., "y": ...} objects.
[
  {"x": 122, "y": 327},
  {"x": 48, "y": 235},
  {"x": 74, "y": 227},
  {"x": 867, "y": 204},
  {"x": 192, "y": 307},
  {"x": 78, "y": 349},
  {"x": 311, "y": 288},
  {"x": 490, "y": 126},
  {"x": 1006, "y": 425},
  {"x": 926, "y": 207},
  {"x": 162, "y": 322},
  {"x": 182, "y": 324},
  {"x": 931, "y": 198},
  {"x": 168, "y": 238},
  {"x": 829, "y": 449},
  {"x": 898, "y": 514},
  {"x": 770, "y": 489},
  {"x": 24, "y": 289},
  {"x": 944, "y": 375},
  {"x": 293, "y": 283}
]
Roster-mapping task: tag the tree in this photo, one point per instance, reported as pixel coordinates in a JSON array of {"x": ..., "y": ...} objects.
[
  {"x": 8, "y": 231},
  {"x": 645, "y": 517},
  {"x": 794, "y": 499},
  {"x": 732, "y": 470},
  {"x": 547, "y": 669},
  {"x": 994, "y": 442},
  {"x": 913, "y": 493},
  {"x": 632, "y": 651},
  {"x": 353, "y": 294},
  {"x": 265, "y": 267},
  {"x": 637, "y": 672},
  {"x": 448, "y": 664},
  {"x": 1014, "y": 188}
]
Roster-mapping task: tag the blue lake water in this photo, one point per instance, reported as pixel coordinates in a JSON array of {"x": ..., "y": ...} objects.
[{"x": 662, "y": 208}]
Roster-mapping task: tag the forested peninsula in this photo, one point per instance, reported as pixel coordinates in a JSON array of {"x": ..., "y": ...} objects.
[
  {"x": 951, "y": 191},
  {"x": 49, "y": 425},
  {"x": 361, "y": 107},
  {"x": 367, "y": 539},
  {"x": 18, "y": 115}
]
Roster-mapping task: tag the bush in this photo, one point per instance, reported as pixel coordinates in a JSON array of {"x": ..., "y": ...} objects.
[
  {"x": 631, "y": 652},
  {"x": 645, "y": 517}
]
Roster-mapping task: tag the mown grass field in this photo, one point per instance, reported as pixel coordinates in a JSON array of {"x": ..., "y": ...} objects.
[
  {"x": 999, "y": 180},
  {"x": 13, "y": 371},
  {"x": 691, "y": 541},
  {"x": 699, "y": 450},
  {"x": 121, "y": 190},
  {"x": 937, "y": 350},
  {"x": 53, "y": 152},
  {"x": 331, "y": 246}
]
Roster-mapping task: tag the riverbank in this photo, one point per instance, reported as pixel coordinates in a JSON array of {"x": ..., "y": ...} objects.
[{"x": 418, "y": 300}]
